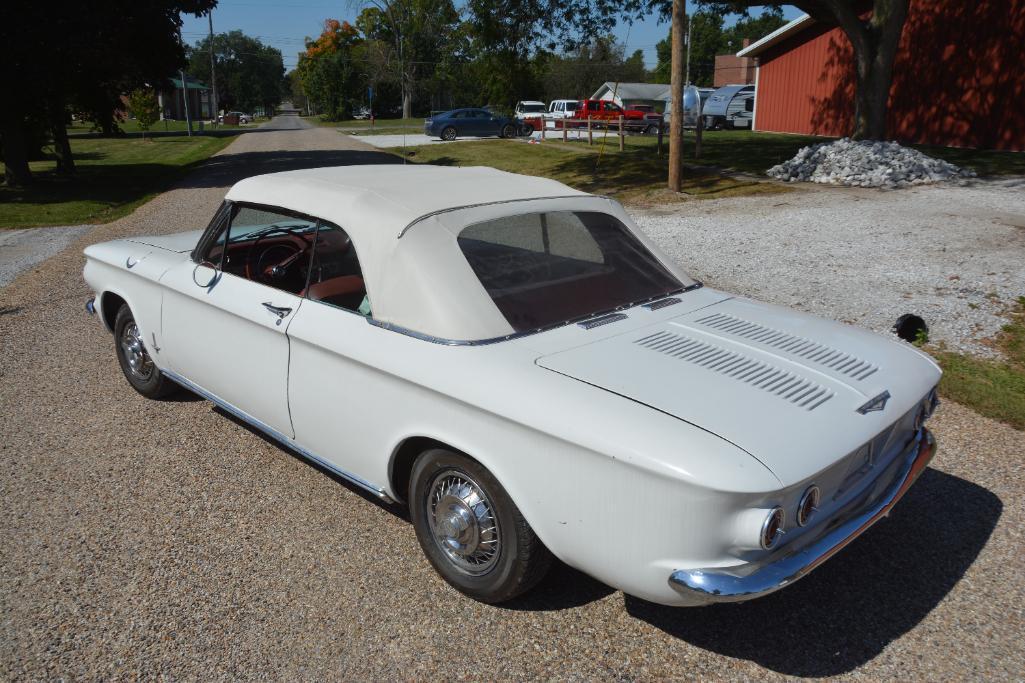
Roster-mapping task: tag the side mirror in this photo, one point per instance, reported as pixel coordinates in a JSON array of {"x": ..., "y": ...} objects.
[{"x": 205, "y": 274}]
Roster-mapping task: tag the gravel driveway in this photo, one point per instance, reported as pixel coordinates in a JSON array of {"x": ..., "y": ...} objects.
[
  {"x": 955, "y": 255},
  {"x": 146, "y": 539}
]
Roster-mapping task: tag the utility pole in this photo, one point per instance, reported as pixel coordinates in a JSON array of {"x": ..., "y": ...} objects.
[
  {"x": 690, "y": 25},
  {"x": 185, "y": 100},
  {"x": 676, "y": 99},
  {"x": 213, "y": 72}
]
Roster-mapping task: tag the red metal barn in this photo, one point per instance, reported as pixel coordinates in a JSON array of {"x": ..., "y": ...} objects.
[{"x": 959, "y": 78}]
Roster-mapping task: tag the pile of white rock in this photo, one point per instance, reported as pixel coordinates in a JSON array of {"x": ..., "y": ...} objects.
[{"x": 866, "y": 163}]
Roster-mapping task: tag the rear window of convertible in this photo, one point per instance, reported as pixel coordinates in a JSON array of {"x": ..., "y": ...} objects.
[{"x": 544, "y": 269}]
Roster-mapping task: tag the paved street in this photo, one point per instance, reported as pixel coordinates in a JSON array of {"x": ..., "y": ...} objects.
[{"x": 145, "y": 539}]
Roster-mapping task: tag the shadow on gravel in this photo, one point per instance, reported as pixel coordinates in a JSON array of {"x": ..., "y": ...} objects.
[
  {"x": 228, "y": 169},
  {"x": 845, "y": 612},
  {"x": 562, "y": 588}
]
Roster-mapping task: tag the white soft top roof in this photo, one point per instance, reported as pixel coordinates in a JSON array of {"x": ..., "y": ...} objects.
[
  {"x": 403, "y": 221},
  {"x": 393, "y": 193}
]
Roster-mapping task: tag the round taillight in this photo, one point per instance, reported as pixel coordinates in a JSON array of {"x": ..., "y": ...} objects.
[
  {"x": 808, "y": 505},
  {"x": 772, "y": 527}
]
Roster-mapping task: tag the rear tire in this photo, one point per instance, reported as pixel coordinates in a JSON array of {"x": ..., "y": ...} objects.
[
  {"x": 448, "y": 134},
  {"x": 136, "y": 364},
  {"x": 472, "y": 533},
  {"x": 508, "y": 131}
]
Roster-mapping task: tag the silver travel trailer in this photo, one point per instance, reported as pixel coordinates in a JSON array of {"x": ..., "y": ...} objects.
[
  {"x": 731, "y": 106},
  {"x": 691, "y": 96}
]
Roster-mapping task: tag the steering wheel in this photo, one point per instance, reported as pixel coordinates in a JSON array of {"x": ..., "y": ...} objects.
[{"x": 274, "y": 263}]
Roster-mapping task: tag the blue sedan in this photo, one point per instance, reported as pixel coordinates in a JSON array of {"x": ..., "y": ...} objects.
[{"x": 474, "y": 123}]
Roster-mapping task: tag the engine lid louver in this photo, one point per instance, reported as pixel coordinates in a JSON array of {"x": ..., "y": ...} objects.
[
  {"x": 842, "y": 363},
  {"x": 785, "y": 384}
]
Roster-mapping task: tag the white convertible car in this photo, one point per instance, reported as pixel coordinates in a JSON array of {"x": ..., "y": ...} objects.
[{"x": 516, "y": 362}]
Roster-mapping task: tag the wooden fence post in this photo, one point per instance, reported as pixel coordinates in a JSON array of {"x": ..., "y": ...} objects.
[
  {"x": 622, "y": 138},
  {"x": 544, "y": 125},
  {"x": 565, "y": 134},
  {"x": 590, "y": 136}
]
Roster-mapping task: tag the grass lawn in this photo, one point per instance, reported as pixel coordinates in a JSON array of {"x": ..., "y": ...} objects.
[
  {"x": 636, "y": 175},
  {"x": 995, "y": 389},
  {"x": 131, "y": 127},
  {"x": 380, "y": 127},
  {"x": 113, "y": 177},
  {"x": 755, "y": 152}
]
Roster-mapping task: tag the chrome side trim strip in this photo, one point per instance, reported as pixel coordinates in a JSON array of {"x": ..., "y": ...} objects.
[
  {"x": 705, "y": 586},
  {"x": 279, "y": 437}
]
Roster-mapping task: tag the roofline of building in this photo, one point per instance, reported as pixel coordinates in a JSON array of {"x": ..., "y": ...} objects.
[{"x": 778, "y": 36}]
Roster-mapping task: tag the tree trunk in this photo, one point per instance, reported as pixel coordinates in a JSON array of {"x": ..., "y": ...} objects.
[
  {"x": 16, "y": 171},
  {"x": 875, "y": 41},
  {"x": 61, "y": 146}
]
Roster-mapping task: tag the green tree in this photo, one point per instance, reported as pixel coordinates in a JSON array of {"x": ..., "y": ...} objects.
[
  {"x": 249, "y": 73},
  {"x": 585, "y": 69},
  {"x": 707, "y": 41},
  {"x": 143, "y": 104},
  {"x": 417, "y": 33},
  {"x": 751, "y": 28},
  {"x": 328, "y": 72},
  {"x": 94, "y": 52}
]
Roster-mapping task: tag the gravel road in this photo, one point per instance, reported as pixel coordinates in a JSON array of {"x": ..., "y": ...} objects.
[{"x": 162, "y": 539}]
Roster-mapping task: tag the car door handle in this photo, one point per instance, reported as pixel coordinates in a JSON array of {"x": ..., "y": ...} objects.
[{"x": 280, "y": 311}]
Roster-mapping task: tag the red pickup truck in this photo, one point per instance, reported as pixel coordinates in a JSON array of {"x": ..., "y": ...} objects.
[{"x": 608, "y": 113}]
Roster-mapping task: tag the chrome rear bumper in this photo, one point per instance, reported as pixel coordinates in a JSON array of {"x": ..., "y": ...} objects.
[{"x": 724, "y": 585}]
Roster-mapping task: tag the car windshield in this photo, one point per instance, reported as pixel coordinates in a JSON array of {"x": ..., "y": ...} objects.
[
  {"x": 532, "y": 108},
  {"x": 545, "y": 269}
]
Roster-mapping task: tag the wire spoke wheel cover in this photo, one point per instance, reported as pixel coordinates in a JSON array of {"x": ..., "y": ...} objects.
[
  {"x": 134, "y": 350},
  {"x": 463, "y": 522}
]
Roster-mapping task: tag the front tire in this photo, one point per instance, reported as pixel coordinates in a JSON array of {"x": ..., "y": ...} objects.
[
  {"x": 448, "y": 134},
  {"x": 472, "y": 533},
  {"x": 508, "y": 131},
  {"x": 139, "y": 369}
]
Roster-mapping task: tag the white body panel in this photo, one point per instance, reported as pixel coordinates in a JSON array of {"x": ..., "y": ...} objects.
[
  {"x": 224, "y": 339},
  {"x": 629, "y": 458}
]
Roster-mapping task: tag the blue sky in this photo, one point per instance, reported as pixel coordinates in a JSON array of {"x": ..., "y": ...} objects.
[{"x": 284, "y": 24}]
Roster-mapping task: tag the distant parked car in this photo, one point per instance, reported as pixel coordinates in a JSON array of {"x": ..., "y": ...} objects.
[
  {"x": 529, "y": 109},
  {"x": 562, "y": 109},
  {"x": 474, "y": 122},
  {"x": 234, "y": 118},
  {"x": 361, "y": 114}
]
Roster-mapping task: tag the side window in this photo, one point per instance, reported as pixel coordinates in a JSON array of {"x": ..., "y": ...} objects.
[
  {"x": 336, "y": 278},
  {"x": 267, "y": 246}
]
